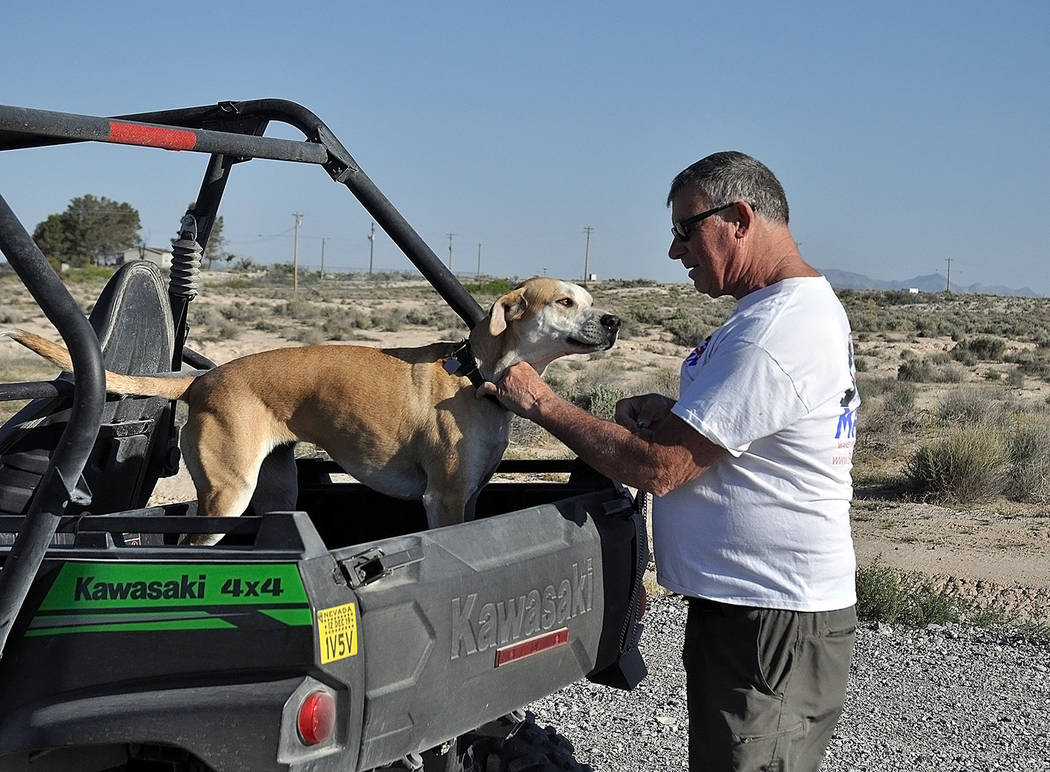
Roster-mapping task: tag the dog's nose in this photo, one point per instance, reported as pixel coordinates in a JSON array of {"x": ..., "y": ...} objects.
[{"x": 610, "y": 322}]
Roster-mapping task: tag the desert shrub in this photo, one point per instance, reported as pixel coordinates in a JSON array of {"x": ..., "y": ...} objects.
[
  {"x": 644, "y": 313},
  {"x": 629, "y": 283},
  {"x": 493, "y": 287},
  {"x": 970, "y": 463},
  {"x": 601, "y": 401},
  {"x": 968, "y": 406},
  {"x": 939, "y": 359},
  {"x": 884, "y": 414},
  {"x": 88, "y": 274},
  {"x": 12, "y": 317},
  {"x": 301, "y": 310},
  {"x": 900, "y": 397},
  {"x": 590, "y": 393},
  {"x": 1015, "y": 378},
  {"x": 885, "y": 595},
  {"x": 1029, "y": 478},
  {"x": 340, "y": 327},
  {"x": 952, "y": 372},
  {"x": 1037, "y": 366},
  {"x": 524, "y": 432},
  {"x": 873, "y": 386},
  {"x": 984, "y": 348},
  {"x": 661, "y": 380},
  {"x": 212, "y": 325},
  {"x": 896, "y": 298},
  {"x": 309, "y": 336},
  {"x": 915, "y": 371},
  {"x": 1032, "y": 361},
  {"x": 687, "y": 329},
  {"x": 243, "y": 312},
  {"x": 935, "y": 369},
  {"x": 388, "y": 319},
  {"x": 436, "y": 317}
]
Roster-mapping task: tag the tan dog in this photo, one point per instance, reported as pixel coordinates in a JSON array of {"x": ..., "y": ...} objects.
[{"x": 395, "y": 419}]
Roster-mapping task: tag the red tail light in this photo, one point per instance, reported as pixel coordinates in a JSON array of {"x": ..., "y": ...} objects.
[{"x": 316, "y": 718}]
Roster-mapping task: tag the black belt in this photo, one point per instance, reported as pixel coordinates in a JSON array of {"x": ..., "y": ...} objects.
[{"x": 706, "y": 604}]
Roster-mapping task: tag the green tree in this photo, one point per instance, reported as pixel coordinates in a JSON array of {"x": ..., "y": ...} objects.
[
  {"x": 217, "y": 243},
  {"x": 89, "y": 228},
  {"x": 52, "y": 238}
]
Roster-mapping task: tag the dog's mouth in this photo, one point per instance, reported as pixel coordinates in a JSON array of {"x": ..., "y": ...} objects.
[
  {"x": 596, "y": 334},
  {"x": 592, "y": 345}
]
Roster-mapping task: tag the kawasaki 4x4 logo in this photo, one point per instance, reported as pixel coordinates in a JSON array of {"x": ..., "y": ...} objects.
[
  {"x": 183, "y": 588},
  {"x": 125, "y": 596},
  {"x": 478, "y": 626}
]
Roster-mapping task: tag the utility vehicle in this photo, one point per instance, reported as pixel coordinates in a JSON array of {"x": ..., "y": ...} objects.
[{"x": 316, "y": 639}]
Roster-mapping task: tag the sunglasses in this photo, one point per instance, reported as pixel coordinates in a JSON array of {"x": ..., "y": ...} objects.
[{"x": 683, "y": 229}]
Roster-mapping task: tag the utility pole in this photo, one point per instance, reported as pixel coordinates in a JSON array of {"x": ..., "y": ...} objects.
[
  {"x": 587, "y": 250},
  {"x": 479, "y": 261},
  {"x": 295, "y": 255},
  {"x": 450, "y": 235},
  {"x": 371, "y": 246},
  {"x": 323, "y": 240},
  {"x": 948, "y": 282}
]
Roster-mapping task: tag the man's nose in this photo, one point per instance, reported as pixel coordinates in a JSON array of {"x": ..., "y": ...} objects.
[{"x": 676, "y": 249}]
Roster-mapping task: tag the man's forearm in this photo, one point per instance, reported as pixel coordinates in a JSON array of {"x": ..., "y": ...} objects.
[
  {"x": 665, "y": 453},
  {"x": 608, "y": 448}
]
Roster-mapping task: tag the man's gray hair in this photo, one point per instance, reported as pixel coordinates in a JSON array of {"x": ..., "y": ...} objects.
[{"x": 730, "y": 176}]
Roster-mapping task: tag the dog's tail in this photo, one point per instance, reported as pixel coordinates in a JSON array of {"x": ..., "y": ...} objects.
[{"x": 170, "y": 386}]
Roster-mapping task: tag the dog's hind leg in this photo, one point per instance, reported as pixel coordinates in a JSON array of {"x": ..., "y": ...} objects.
[{"x": 224, "y": 464}]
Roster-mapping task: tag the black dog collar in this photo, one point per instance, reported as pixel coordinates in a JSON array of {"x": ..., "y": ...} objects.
[{"x": 462, "y": 362}]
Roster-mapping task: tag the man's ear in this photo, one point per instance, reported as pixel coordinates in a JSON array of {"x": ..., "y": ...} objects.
[
  {"x": 745, "y": 218},
  {"x": 508, "y": 308}
]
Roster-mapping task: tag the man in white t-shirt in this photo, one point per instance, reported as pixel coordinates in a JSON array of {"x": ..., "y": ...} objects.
[{"x": 751, "y": 472}]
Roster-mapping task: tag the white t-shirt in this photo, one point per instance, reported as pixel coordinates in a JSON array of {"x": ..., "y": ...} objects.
[{"x": 768, "y": 524}]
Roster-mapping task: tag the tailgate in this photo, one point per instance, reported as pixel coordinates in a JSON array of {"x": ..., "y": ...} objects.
[{"x": 459, "y": 625}]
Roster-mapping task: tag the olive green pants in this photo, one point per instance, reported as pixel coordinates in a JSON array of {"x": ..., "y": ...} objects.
[{"x": 765, "y": 687}]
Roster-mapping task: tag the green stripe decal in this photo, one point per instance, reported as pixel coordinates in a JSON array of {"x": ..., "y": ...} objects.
[
  {"x": 293, "y": 617},
  {"x": 211, "y": 623},
  {"x": 125, "y": 586}
]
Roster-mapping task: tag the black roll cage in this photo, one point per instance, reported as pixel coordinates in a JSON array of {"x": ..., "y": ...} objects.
[{"x": 230, "y": 132}]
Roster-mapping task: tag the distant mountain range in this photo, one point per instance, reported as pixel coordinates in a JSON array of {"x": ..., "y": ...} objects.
[{"x": 933, "y": 282}]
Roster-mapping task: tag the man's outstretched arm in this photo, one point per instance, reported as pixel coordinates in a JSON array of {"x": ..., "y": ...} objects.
[{"x": 664, "y": 454}]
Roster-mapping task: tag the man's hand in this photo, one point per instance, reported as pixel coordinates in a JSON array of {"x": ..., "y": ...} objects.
[
  {"x": 521, "y": 390},
  {"x": 642, "y": 414}
]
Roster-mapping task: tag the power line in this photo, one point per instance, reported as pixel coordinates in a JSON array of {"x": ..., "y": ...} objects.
[
  {"x": 295, "y": 255},
  {"x": 450, "y": 249},
  {"x": 587, "y": 249},
  {"x": 371, "y": 246}
]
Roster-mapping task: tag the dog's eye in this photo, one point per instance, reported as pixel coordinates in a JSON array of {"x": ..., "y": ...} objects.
[{"x": 567, "y": 302}]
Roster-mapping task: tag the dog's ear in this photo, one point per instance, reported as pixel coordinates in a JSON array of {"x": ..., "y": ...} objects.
[{"x": 507, "y": 309}]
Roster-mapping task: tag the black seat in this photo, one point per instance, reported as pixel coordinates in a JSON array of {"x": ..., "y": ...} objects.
[{"x": 132, "y": 319}]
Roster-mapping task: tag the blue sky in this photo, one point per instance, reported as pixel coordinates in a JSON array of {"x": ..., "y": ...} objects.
[{"x": 904, "y": 133}]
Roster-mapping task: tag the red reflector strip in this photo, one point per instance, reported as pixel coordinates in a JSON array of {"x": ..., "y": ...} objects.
[
  {"x": 532, "y": 646},
  {"x": 151, "y": 136}
]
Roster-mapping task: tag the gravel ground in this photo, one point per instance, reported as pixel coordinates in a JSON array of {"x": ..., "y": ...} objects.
[{"x": 936, "y": 699}]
